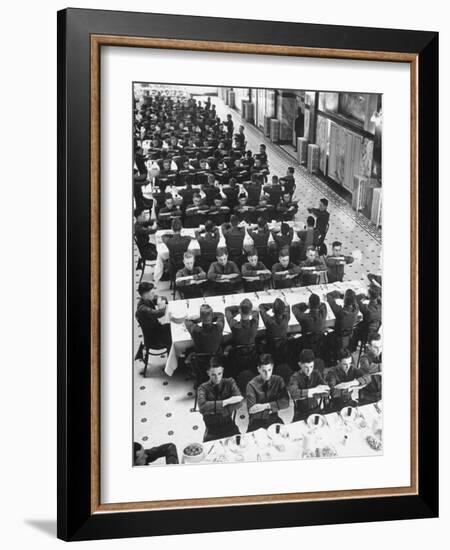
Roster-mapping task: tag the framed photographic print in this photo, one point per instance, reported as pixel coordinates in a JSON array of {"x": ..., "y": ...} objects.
[{"x": 247, "y": 226}]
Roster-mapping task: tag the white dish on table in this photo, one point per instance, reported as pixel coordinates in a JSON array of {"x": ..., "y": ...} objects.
[
  {"x": 177, "y": 318},
  {"x": 178, "y": 308},
  {"x": 193, "y": 452}
]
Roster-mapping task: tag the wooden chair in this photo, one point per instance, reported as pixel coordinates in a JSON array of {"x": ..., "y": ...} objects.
[
  {"x": 197, "y": 364},
  {"x": 147, "y": 350},
  {"x": 142, "y": 262}
]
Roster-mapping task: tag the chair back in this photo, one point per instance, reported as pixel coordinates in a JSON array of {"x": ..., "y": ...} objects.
[
  {"x": 278, "y": 348},
  {"x": 137, "y": 246},
  {"x": 199, "y": 363},
  {"x": 244, "y": 357}
]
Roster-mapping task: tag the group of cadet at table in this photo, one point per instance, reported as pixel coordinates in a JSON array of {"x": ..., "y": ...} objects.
[
  {"x": 226, "y": 271},
  {"x": 271, "y": 388}
]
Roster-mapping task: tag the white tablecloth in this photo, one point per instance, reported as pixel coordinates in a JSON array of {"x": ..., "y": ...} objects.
[
  {"x": 181, "y": 339},
  {"x": 343, "y": 440}
]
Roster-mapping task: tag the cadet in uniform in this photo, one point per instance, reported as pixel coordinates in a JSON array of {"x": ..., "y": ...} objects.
[
  {"x": 307, "y": 388},
  {"x": 190, "y": 280},
  {"x": 217, "y": 400},
  {"x": 266, "y": 394},
  {"x": 336, "y": 261}
]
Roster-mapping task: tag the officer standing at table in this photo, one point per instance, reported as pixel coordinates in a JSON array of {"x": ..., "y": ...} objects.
[
  {"x": 322, "y": 219},
  {"x": 229, "y": 126}
]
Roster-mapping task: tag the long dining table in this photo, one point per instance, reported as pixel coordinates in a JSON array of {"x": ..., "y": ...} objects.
[
  {"x": 178, "y": 310},
  {"x": 337, "y": 437}
]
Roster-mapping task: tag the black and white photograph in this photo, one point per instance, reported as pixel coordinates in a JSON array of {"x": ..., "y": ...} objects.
[
  {"x": 257, "y": 274},
  {"x": 232, "y": 213}
]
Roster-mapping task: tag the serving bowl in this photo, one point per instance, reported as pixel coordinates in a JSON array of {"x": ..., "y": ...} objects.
[{"x": 193, "y": 452}]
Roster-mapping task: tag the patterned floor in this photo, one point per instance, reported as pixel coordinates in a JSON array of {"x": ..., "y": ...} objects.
[{"x": 163, "y": 406}]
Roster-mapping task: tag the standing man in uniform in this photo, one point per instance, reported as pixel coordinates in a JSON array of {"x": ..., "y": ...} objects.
[{"x": 322, "y": 220}]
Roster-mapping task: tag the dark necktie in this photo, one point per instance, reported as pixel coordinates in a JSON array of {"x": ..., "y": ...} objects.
[
  {"x": 217, "y": 392},
  {"x": 265, "y": 388}
]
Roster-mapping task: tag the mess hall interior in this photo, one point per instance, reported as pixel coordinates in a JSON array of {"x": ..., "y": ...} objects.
[{"x": 256, "y": 274}]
